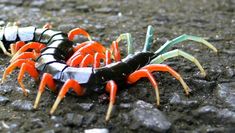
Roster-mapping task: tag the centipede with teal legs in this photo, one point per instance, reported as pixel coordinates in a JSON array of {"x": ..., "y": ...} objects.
[{"x": 88, "y": 67}]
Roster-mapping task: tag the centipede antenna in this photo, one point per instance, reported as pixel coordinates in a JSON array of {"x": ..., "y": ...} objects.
[
  {"x": 128, "y": 38},
  {"x": 149, "y": 38},
  {"x": 182, "y": 38}
]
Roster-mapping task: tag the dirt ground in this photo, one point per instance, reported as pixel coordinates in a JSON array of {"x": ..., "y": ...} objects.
[{"x": 209, "y": 108}]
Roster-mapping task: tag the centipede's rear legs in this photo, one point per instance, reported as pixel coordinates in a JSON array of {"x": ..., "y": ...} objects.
[
  {"x": 35, "y": 46},
  {"x": 47, "y": 80},
  {"x": 23, "y": 61},
  {"x": 25, "y": 66}
]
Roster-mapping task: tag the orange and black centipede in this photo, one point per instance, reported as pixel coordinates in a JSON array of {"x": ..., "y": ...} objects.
[{"x": 55, "y": 59}]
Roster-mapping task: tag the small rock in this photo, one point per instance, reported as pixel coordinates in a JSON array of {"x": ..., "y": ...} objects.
[
  {"x": 19, "y": 89},
  {"x": 211, "y": 113},
  {"x": 125, "y": 105},
  {"x": 104, "y": 10},
  {"x": 57, "y": 119},
  {"x": 226, "y": 92},
  {"x": 229, "y": 52},
  {"x": 13, "y": 2},
  {"x": 74, "y": 119},
  {"x": 5, "y": 89},
  {"x": 99, "y": 27},
  {"x": 226, "y": 115},
  {"x": 207, "y": 109},
  {"x": 229, "y": 72},
  {"x": 142, "y": 104},
  {"x": 83, "y": 8},
  {"x": 57, "y": 125},
  {"x": 209, "y": 129},
  {"x": 38, "y": 3},
  {"x": 203, "y": 84},
  {"x": 97, "y": 130},
  {"x": 144, "y": 114},
  {"x": 3, "y": 100},
  {"x": 86, "y": 106},
  {"x": 49, "y": 131},
  {"x": 177, "y": 100},
  {"x": 66, "y": 27},
  {"x": 22, "y": 105},
  {"x": 37, "y": 123},
  {"x": 90, "y": 118}
]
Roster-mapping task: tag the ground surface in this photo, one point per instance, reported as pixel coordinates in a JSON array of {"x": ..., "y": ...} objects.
[{"x": 210, "y": 107}]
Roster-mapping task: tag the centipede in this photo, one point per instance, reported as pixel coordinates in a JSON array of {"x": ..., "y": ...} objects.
[{"x": 62, "y": 65}]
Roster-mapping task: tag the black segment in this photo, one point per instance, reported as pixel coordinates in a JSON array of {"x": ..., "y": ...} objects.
[
  {"x": 120, "y": 70},
  {"x": 138, "y": 60}
]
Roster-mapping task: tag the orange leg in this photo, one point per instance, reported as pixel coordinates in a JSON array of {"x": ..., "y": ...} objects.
[
  {"x": 166, "y": 68},
  {"x": 78, "y": 53},
  {"x": 33, "y": 45},
  {"x": 14, "y": 65},
  {"x": 78, "y": 31},
  {"x": 135, "y": 76},
  {"x": 74, "y": 57},
  {"x": 18, "y": 45},
  {"x": 29, "y": 69},
  {"x": 78, "y": 46},
  {"x": 75, "y": 61},
  {"x": 97, "y": 58},
  {"x": 47, "y": 80},
  {"x": 87, "y": 60},
  {"x": 13, "y": 48},
  {"x": 88, "y": 48},
  {"x": 114, "y": 48},
  {"x": 70, "y": 83},
  {"x": 27, "y": 55},
  {"x": 107, "y": 57},
  {"x": 111, "y": 87},
  {"x": 92, "y": 46}
]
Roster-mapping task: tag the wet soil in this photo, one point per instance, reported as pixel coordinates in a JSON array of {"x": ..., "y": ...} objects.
[{"x": 209, "y": 108}]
